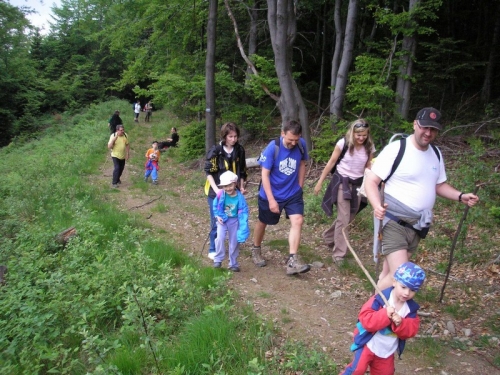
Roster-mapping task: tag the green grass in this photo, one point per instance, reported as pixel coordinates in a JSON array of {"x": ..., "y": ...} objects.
[
  {"x": 426, "y": 347},
  {"x": 115, "y": 296}
]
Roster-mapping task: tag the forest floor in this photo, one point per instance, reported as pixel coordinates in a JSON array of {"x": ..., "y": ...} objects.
[{"x": 318, "y": 308}]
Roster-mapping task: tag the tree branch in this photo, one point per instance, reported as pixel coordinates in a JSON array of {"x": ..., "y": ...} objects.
[{"x": 243, "y": 54}]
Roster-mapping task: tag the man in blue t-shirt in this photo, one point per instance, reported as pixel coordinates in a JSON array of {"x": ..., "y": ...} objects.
[{"x": 282, "y": 180}]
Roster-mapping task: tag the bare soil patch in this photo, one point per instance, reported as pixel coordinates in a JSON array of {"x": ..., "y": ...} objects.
[{"x": 318, "y": 308}]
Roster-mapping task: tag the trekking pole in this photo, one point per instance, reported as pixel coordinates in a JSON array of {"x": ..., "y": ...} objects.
[
  {"x": 380, "y": 228},
  {"x": 364, "y": 269},
  {"x": 459, "y": 229},
  {"x": 203, "y": 248}
]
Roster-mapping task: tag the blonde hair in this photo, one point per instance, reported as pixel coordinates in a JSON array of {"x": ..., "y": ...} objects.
[{"x": 358, "y": 126}]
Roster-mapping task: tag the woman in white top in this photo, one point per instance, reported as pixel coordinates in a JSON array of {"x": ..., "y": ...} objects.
[{"x": 351, "y": 155}]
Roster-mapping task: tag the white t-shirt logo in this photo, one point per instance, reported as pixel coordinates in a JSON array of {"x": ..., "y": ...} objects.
[{"x": 288, "y": 166}]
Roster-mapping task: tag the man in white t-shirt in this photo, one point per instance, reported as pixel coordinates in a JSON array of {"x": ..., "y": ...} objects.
[{"x": 410, "y": 193}]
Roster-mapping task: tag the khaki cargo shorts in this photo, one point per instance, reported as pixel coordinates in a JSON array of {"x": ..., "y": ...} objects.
[{"x": 397, "y": 237}]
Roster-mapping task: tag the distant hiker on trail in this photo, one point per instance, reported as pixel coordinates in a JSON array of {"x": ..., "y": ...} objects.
[
  {"x": 231, "y": 214},
  {"x": 149, "y": 111},
  {"x": 410, "y": 193},
  {"x": 351, "y": 155},
  {"x": 283, "y": 175},
  {"x": 152, "y": 160},
  {"x": 114, "y": 121},
  {"x": 228, "y": 155},
  {"x": 137, "y": 110},
  {"x": 170, "y": 142},
  {"x": 382, "y": 330},
  {"x": 120, "y": 152}
]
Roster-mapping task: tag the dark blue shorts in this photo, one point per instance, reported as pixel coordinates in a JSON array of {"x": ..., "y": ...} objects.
[{"x": 293, "y": 206}]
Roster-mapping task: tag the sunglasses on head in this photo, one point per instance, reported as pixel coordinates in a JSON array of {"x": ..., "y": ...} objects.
[{"x": 361, "y": 125}]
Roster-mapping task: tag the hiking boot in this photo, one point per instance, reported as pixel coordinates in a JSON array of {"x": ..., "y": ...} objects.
[
  {"x": 234, "y": 269},
  {"x": 217, "y": 264},
  {"x": 338, "y": 260},
  {"x": 294, "y": 266},
  {"x": 257, "y": 257}
]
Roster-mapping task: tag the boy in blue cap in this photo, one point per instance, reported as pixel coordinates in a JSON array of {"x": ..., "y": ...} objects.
[{"x": 381, "y": 330}]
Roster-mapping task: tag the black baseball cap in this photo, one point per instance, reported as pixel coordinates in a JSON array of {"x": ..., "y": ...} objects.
[{"x": 429, "y": 117}]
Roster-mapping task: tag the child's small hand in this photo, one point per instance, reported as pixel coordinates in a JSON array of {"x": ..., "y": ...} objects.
[
  {"x": 219, "y": 219},
  {"x": 396, "y": 319},
  {"x": 390, "y": 311}
]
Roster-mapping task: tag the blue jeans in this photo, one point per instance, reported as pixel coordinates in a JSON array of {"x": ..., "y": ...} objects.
[
  {"x": 213, "y": 226},
  {"x": 153, "y": 172}
]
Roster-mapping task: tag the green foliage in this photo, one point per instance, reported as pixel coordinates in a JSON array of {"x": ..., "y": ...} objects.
[
  {"x": 193, "y": 141},
  {"x": 299, "y": 357},
  {"x": 369, "y": 88}
]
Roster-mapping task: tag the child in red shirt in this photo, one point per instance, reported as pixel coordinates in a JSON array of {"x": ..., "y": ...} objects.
[{"x": 381, "y": 330}]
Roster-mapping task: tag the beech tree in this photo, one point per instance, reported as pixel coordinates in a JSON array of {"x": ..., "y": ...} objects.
[
  {"x": 210, "y": 75},
  {"x": 345, "y": 62},
  {"x": 283, "y": 29}
]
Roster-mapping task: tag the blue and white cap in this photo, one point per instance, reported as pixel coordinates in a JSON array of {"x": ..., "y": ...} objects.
[{"x": 410, "y": 275}]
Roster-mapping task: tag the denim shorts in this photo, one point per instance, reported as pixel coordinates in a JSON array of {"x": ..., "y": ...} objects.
[
  {"x": 293, "y": 206},
  {"x": 397, "y": 237}
]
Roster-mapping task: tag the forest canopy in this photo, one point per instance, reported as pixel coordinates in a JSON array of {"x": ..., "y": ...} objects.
[{"x": 377, "y": 59}]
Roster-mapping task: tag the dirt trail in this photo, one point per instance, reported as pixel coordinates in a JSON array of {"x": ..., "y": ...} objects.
[{"x": 319, "y": 307}]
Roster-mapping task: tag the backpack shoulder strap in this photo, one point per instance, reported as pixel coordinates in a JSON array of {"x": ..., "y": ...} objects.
[
  {"x": 276, "y": 147},
  {"x": 401, "y": 152},
  {"x": 399, "y": 156},
  {"x": 342, "y": 154},
  {"x": 436, "y": 151}
]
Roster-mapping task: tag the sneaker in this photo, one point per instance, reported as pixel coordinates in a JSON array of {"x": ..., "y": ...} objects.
[
  {"x": 234, "y": 269},
  {"x": 294, "y": 266},
  {"x": 115, "y": 186},
  {"x": 119, "y": 182},
  {"x": 155, "y": 182},
  {"x": 257, "y": 257},
  {"x": 211, "y": 254},
  {"x": 217, "y": 264},
  {"x": 145, "y": 179}
]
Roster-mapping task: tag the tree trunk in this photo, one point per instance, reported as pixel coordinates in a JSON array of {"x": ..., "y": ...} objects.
[
  {"x": 283, "y": 27},
  {"x": 345, "y": 63},
  {"x": 252, "y": 35},
  {"x": 403, "y": 87},
  {"x": 323, "y": 58},
  {"x": 210, "y": 75},
  {"x": 339, "y": 36},
  {"x": 490, "y": 68}
]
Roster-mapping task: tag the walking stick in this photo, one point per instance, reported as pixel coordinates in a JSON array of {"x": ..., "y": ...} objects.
[
  {"x": 364, "y": 269},
  {"x": 380, "y": 228},
  {"x": 450, "y": 261}
]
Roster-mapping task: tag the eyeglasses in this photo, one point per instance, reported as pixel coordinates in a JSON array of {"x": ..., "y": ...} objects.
[
  {"x": 426, "y": 128},
  {"x": 361, "y": 125}
]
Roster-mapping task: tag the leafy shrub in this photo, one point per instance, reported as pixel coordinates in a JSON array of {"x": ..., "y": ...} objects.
[{"x": 193, "y": 141}]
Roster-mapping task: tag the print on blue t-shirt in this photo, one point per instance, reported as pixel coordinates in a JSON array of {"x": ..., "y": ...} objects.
[{"x": 284, "y": 175}]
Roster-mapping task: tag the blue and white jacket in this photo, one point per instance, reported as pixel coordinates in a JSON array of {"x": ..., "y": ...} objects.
[{"x": 218, "y": 207}]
